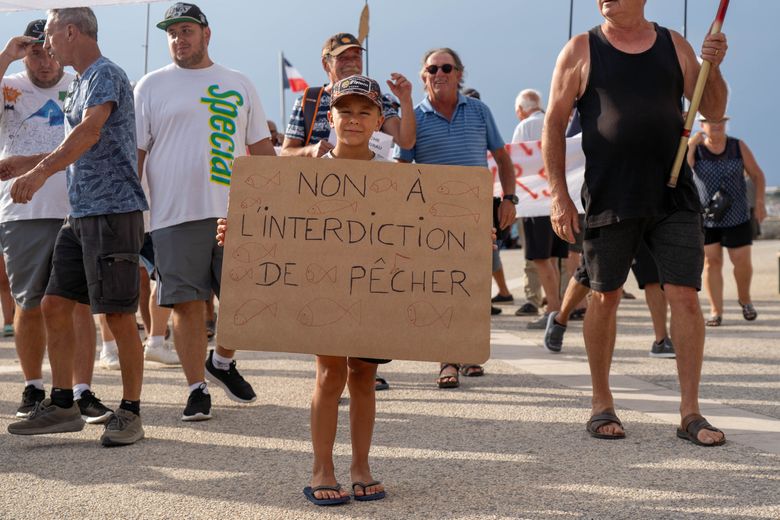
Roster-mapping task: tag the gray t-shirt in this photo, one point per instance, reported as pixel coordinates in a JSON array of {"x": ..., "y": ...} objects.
[{"x": 104, "y": 180}]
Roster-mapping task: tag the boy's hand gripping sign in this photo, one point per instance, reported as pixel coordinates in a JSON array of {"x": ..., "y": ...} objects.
[{"x": 358, "y": 258}]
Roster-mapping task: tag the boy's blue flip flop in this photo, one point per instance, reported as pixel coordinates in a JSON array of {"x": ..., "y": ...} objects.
[
  {"x": 309, "y": 491},
  {"x": 365, "y": 497}
]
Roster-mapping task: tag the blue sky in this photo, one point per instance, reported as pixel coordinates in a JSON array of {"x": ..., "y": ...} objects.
[{"x": 506, "y": 45}]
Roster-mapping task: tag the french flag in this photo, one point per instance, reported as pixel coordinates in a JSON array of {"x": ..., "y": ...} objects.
[{"x": 292, "y": 78}]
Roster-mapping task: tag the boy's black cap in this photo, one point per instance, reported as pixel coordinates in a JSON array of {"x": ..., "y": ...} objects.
[
  {"x": 35, "y": 30},
  {"x": 181, "y": 12},
  {"x": 358, "y": 85}
]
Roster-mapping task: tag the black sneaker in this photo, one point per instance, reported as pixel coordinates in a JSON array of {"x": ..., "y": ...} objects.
[
  {"x": 92, "y": 410},
  {"x": 198, "y": 406},
  {"x": 235, "y": 386},
  {"x": 495, "y": 310},
  {"x": 30, "y": 397},
  {"x": 662, "y": 349},
  {"x": 505, "y": 300}
]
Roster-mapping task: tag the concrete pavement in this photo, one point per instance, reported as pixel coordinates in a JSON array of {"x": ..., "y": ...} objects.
[{"x": 509, "y": 445}]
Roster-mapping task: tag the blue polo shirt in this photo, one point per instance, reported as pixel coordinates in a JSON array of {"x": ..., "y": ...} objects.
[{"x": 463, "y": 141}]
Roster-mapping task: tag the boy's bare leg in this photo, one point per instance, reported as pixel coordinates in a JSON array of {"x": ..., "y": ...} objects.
[
  {"x": 362, "y": 414},
  {"x": 656, "y": 302},
  {"x": 330, "y": 382},
  {"x": 30, "y": 339},
  {"x": 131, "y": 353}
]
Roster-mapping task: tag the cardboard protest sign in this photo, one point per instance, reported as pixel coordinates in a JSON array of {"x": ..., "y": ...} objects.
[{"x": 358, "y": 258}]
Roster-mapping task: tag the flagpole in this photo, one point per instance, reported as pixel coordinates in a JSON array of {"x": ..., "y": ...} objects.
[
  {"x": 282, "y": 122},
  {"x": 685, "y": 20},
  {"x": 367, "y": 74},
  {"x": 571, "y": 16},
  {"x": 146, "y": 45}
]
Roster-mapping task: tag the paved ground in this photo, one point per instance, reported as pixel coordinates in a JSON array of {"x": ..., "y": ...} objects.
[{"x": 509, "y": 445}]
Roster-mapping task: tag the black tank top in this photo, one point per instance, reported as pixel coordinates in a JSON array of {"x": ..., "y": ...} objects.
[{"x": 631, "y": 118}]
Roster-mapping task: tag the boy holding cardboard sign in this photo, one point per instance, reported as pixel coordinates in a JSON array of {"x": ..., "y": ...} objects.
[{"x": 356, "y": 112}]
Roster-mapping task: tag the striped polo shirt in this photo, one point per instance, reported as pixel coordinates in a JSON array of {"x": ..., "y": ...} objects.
[{"x": 463, "y": 141}]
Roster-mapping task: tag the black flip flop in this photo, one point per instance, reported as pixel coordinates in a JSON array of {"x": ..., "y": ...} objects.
[
  {"x": 601, "y": 419},
  {"x": 691, "y": 426},
  {"x": 309, "y": 491},
  {"x": 365, "y": 497},
  {"x": 380, "y": 383}
]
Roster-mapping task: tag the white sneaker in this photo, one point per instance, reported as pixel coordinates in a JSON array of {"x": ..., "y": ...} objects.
[
  {"x": 164, "y": 354},
  {"x": 109, "y": 360}
]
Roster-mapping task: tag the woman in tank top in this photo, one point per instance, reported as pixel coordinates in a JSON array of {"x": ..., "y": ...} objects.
[{"x": 719, "y": 163}]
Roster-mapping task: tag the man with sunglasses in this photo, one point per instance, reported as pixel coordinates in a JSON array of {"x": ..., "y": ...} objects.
[
  {"x": 308, "y": 129},
  {"x": 457, "y": 130},
  {"x": 32, "y": 122}
]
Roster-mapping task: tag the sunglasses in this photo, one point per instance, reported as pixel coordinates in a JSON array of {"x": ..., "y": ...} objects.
[{"x": 433, "y": 69}]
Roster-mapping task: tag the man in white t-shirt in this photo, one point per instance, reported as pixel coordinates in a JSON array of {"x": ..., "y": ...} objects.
[
  {"x": 193, "y": 118},
  {"x": 32, "y": 122}
]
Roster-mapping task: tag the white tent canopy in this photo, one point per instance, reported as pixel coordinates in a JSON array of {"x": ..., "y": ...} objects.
[{"x": 42, "y": 5}]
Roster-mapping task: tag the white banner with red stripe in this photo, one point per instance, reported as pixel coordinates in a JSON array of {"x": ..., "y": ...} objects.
[{"x": 532, "y": 187}]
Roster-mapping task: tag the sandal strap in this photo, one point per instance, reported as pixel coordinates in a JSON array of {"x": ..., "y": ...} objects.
[
  {"x": 445, "y": 366},
  {"x": 337, "y": 487},
  {"x": 365, "y": 485},
  {"x": 694, "y": 423},
  {"x": 604, "y": 418}
]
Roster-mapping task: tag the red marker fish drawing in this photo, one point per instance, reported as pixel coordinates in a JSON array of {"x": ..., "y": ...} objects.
[
  {"x": 383, "y": 184},
  {"x": 315, "y": 273},
  {"x": 252, "y": 309},
  {"x": 332, "y": 206},
  {"x": 260, "y": 181},
  {"x": 457, "y": 188},
  {"x": 424, "y": 314},
  {"x": 442, "y": 209},
  {"x": 324, "y": 311},
  {"x": 253, "y": 252}
]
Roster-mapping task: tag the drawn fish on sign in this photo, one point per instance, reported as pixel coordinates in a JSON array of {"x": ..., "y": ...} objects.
[
  {"x": 455, "y": 188},
  {"x": 261, "y": 181},
  {"x": 324, "y": 311},
  {"x": 315, "y": 273},
  {"x": 250, "y": 201},
  {"x": 237, "y": 273},
  {"x": 253, "y": 252},
  {"x": 327, "y": 207},
  {"x": 443, "y": 209},
  {"x": 383, "y": 184},
  {"x": 253, "y": 308},
  {"x": 424, "y": 314}
]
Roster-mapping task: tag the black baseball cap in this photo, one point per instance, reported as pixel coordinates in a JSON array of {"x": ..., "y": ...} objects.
[
  {"x": 35, "y": 30},
  {"x": 358, "y": 85},
  {"x": 338, "y": 43},
  {"x": 181, "y": 12}
]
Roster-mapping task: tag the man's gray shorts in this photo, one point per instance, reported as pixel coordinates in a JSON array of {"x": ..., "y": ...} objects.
[
  {"x": 28, "y": 246},
  {"x": 188, "y": 262}
]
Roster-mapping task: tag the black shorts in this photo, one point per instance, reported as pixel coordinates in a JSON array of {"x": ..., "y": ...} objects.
[
  {"x": 375, "y": 361},
  {"x": 730, "y": 237},
  {"x": 541, "y": 242},
  {"x": 644, "y": 268},
  {"x": 95, "y": 262},
  {"x": 676, "y": 242},
  {"x": 147, "y": 255},
  {"x": 576, "y": 247}
]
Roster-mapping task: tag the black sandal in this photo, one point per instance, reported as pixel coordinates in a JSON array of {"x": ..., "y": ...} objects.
[
  {"x": 748, "y": 311},
  {"x": 448, "y": 381},
  {"x": 691, "y": 426},
  {"x": 472, "y": 370},
  {"x": 598, "y": 420},
  {"x": 714, "y": 321}
]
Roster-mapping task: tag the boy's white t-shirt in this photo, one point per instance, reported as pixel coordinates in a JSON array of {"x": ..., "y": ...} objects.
[
  {"x": 193, "y": 123},
  {"x": 376, "y": 157},
  {"x": 32, "y": 122}
]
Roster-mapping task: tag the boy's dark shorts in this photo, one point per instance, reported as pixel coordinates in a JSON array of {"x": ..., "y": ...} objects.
[
  {"x": 95, "y": 262},
  {"x": 676, "y": 242},
  {"x": 730, "y": 237},
  {"x": 541, "y": 242}
]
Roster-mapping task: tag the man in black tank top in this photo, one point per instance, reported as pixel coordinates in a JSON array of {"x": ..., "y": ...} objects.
[{"x": 628, "y": 77}]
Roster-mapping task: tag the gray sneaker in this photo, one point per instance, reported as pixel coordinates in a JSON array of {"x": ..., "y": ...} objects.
[
  {"x": 539, "y": 323},
  {"x": 123, "y": 428},
  {"x": 662, "y": 349},
  {"x": 48, "y": 418},
  {"x": 553, "y": 334}
]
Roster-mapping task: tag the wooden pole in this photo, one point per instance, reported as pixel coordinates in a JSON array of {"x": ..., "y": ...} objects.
[{"x": 701, "y": 81}]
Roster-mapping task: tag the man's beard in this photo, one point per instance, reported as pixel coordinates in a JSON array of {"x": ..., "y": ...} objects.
[
  {"x": 194, "y": 59},
  {"x": 45, "y": 84}
]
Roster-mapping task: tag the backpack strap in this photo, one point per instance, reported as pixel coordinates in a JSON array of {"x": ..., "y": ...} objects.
[{"x": 311, "y": 104}]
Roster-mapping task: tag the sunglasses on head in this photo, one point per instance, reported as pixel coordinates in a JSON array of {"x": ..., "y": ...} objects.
[{"x": 433, "y": 69}]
